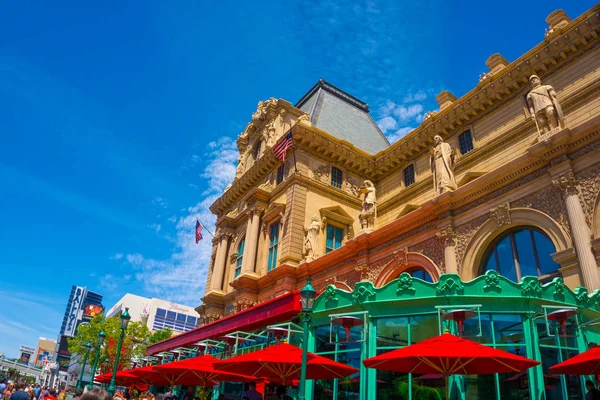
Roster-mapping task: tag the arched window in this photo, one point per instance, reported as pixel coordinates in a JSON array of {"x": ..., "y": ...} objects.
[
  {"x": 240, "y": 255},
  {"x": 420, "y": 273},
  {"x": 522, "y": 252}
]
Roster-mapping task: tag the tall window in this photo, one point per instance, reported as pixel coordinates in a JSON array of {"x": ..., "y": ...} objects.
[
  {"x": 273, "y": 245},
  {"x": 280, "y": 173},
  {"x": 257, "y": 150},
  {"x": 465, "y": 142},
  {"x": 334, "y": 238},
  {"x": 240, "y": 255},
  {"x": 336, "y": 177},
  {"x": 420, "y": 273},
  {"x": 409, "y": 175},
  {"x": 522, "y": 252}
]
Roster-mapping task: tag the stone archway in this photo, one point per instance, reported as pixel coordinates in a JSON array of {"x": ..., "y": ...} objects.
[
  {"x": 491, "y": 229},
  {"x": 403, "y": 261}
]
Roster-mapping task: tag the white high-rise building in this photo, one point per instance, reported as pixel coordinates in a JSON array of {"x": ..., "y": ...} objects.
[{"x": 156, "y": 313}]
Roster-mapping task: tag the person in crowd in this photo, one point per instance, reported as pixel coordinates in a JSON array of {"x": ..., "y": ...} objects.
[
  {"x": 252, "y": 393},
  {"x": 62, "y": 395},
  {"x": 77, "y": 394},
  {"x": 593, "y": 393},
  {"x": 2, "y": 386},
  {"x": 20, "y": 394},
  {"x": 282, "y": 393},
  {"x": 51, "y": 394},
  {"x": 149, "y": 396},
  {"x": 37, "y": 390},
  {"x": 43, "y": 393},
  {"x": 96, "y": 394}
]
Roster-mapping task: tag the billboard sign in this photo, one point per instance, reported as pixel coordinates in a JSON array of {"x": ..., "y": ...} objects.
[
  {"x": 74, "y": 313},
  {"x": 63, "y": 363},
  {"x": 91, "y": 310},
  {"x": 26, "y": 354}
]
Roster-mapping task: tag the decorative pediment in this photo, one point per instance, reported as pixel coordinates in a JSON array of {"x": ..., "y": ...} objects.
[
  {"x": 406, "y": 209},
  {"x": 336, "y": 213}
]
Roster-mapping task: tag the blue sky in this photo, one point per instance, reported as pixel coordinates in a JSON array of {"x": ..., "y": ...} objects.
[{"x": 118, "y": 121}]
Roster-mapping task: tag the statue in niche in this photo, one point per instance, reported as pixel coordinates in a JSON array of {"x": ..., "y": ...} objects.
[
  {"x": 311, "y": 241},
  {"x": 369, "y": 207},
  {"x": 442, "y": 166},
  {"x": 544, "y": 107}
]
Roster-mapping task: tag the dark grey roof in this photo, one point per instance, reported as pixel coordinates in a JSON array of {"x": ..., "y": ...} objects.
[{"x": 343, "y": 116}]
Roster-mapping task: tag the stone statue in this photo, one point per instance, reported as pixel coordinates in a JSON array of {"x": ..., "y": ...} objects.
[
  {"x": 369, "y": 206},
  {"x": 442, "y": 166},
  {"x": 239, "y": 171},
  {"x": 544, "y": 107},
  {"x": 311, "y": 241}
]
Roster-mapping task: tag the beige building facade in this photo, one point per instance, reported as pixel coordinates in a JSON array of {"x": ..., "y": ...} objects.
[{"x": 511, "y": 184}]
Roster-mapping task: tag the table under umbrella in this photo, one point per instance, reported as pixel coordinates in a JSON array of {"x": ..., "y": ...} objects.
[
  {"x": 283, "y": 362},
  {"x": 586, "y": 363},
  {"x": 449, "y": 355},
  {"x": 198, "y": 371}
]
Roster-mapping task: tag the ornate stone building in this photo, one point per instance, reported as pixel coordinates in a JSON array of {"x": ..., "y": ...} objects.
[
  {"x": 510, "y": 171},
  {"x": 491, "y": 206}
]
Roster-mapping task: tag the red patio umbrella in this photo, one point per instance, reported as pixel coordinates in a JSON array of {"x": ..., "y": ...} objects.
[
  {"x": 122, "y": 378},
  {"x": 449, "y": 355},
  {"x": 198, "y": 371},
  {"x": 150, "y": 376},
  {"x": 282, "y": 362},
  {"x": 586, "y": 363}
]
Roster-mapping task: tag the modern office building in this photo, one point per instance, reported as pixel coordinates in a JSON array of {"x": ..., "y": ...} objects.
[
  {"x": 156, "y": 313},
  {"x": 490, "y": 207}
]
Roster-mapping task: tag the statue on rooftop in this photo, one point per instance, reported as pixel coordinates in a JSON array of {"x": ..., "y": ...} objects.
[
  {"x": 442, "y": 166},
  {"x": 369, "y": 206},
  {"x": 311, "y": 241},
  {"x": 544, "y": 107}
]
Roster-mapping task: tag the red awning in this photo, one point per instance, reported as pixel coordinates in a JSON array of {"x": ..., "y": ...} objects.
[{"x": 279, "y": 309}]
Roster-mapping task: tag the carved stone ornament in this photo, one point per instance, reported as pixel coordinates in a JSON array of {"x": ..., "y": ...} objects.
[
  {"x": 261, "y": 110},
  {"x": 281, "y": 117},
  {"x": 544, "y": 107},
  {"x": 331, "y": 294},
  {"x": 363, "y": 270},
  {"x": 267, "y": 186},
  {"x": 449, "y": 285},
  {"x": 530, "y": 286},
  {"x": 492, "y": 282},
  {"x": 311, "y": 239},
  {"x": 405, "y": 284},
  {"x": 211, "y": 317},
  {"x": 442, "y": 162},
  {"x": 401, "y": 257},
  {"x": 501, "y": 214},
  {"x": 363, "y": 292},
  {"x": 304, "y": 118},
  {"x": 582, "y": 297},
  {"x": 321, "y": 173},
  {"x": 369, "y": 206},
  {"x": 566, "y": 183},
  {"x": 447, "y": 236},
  {"x": 242, "y": 304}
]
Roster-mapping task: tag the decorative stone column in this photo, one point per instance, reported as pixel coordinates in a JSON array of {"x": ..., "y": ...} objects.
[
  {"x": 567, "y": 185},
  {"x": 252, "y": 232},
  {"x": 448, "y": 238},
  {"x": 220, "y": 260}
]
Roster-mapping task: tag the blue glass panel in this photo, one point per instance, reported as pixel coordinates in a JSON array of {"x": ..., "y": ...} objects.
[
  {"x": 330, "y": 238},
  {"x": 544, "y": 249},
  {"x": 181, "y": 317},
  {"x": 525, "y": 252},
  {"x": 161, "y": 312},
  {"x": 491, "y": 262},
  {"x": 506, "y": 260},
  {"x": 339, "y": 233}
]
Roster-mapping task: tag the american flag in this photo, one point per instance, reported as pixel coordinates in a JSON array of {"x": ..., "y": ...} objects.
[
  {"x": 283, "y": 147},
  {"x": 198, "y": 231}
]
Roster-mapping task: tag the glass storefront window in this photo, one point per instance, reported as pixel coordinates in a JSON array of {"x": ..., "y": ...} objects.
[
  {"x": 423, "y": 327},
  {"x": 392, "y": 331},
  {"x": 557, "y": 386}
]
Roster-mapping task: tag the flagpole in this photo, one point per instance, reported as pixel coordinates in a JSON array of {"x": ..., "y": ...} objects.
[
  {"x": 204, "y": 227},
  {"x": 294, "y": 151}
]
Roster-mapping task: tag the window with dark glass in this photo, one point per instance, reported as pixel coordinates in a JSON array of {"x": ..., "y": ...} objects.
[
  {"x": 334, "y": 238},
  {"x": 336, "y": 177},
  {"x": 240, "y": 255},
  {"x": 421, "y": 274},
  {"x": 522, "y": 252},
  {"x": 465, "y": 142},
  {"x": 280, "y": 173},
  {"x": 257, "y": 150},
  {"x": 409, "y": 175},
  {"x": 273, "y": 245}
]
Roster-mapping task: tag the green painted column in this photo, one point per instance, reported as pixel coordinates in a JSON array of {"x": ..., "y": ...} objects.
[
  {"x": 532, "y": 348},
  {"x": 368, "y": 386},
  {"x": 310, "y": 384}
]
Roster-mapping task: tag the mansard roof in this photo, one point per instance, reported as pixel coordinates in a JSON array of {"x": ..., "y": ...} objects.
[{"x": 343, "y": 116}]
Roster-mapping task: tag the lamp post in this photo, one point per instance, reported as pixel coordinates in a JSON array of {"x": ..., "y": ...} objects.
[
  {"x": 88, "y": 347},
  {"x": 107, "y": 364},
  {"x": 125, "y": 317},
  {"x": 101, "y": 337},
  {"x": 307, "y": 297}
]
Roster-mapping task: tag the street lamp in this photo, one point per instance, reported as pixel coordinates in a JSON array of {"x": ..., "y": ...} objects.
[
  {"x": 125, "y": 317},
  {"x": 88, "y": 347},
  {"x": 307, "y": 297},
  {"x": 101, "y": 337}
]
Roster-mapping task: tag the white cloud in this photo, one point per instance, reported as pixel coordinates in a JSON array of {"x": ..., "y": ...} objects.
[
  {"x": 182, "y": 276},
  {"x": 108, "y": 282},
  {"x": 155, "y": 226},
  {"x": 160, "y": 202},
  {"x": 400, "y": 133},
  {"x": 193, "y": 185},
  {"x": 117, "y": 256},
  {"x": 404, "y": 113},
  {"x": 386, "y": 124},
  {"x": 172, "y": 219},
  {"x": 415, "y": 97}
]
